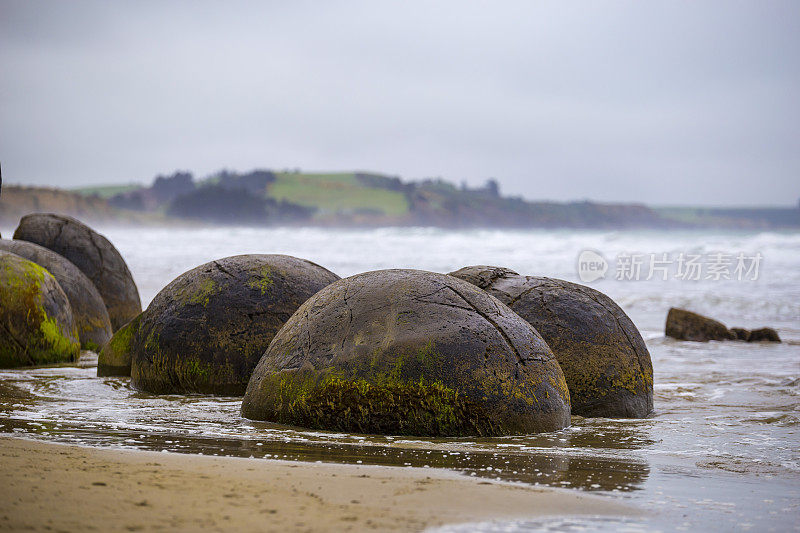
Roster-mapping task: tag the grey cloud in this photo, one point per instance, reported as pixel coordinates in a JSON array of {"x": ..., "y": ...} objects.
[{"x": 666, "y": 103}]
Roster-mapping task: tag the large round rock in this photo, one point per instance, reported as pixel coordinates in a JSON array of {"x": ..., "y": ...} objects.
[
  {"x": 36, "y": 323},
  {"x": 88, "y": 309},
  {"x": 603, "y": 356},
  {"x": 408, "y": 352},
  {"x": 93, "y": 254},
  {"x": 205, "y": 331}
]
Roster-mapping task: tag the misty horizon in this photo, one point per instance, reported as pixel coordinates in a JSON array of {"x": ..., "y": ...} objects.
[
  {"x": 661, "y": 104},
  {"x": 503, "y": 192}
]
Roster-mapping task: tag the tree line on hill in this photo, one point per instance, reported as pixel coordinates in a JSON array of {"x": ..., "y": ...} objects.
[
  {"x": 225, "y": 198},
  {"x": 243, "y": 198}
]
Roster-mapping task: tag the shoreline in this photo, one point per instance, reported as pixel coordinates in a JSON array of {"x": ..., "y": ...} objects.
[{"x": 71, "y": 488}]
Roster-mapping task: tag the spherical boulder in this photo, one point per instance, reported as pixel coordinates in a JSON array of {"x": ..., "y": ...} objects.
[
  {"x": 408, "y": 352},
  {"x": 36, "y": 322},
  {"x": 207, "y": 329},
  {"x": 115, "y": 357},
  {"x": 93, "y": 254},
  {"x": 88, "y": 309},
  {"x": 604, "y": 358}
]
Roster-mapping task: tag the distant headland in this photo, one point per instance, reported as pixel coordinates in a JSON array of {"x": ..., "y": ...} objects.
[{"x": 361, "y": 199}]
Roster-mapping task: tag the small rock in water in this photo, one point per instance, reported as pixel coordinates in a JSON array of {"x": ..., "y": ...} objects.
[
  {"x": 688, "y": 326},
  {"x": 764, "y": 334},
  {"x": 740, "y": 334}
]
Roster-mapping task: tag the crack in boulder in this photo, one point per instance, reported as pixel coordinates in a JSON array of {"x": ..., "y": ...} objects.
[{"x": 496, "y": 326}]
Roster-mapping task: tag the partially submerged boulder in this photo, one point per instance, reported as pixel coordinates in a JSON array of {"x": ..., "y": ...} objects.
[
  {"x": 207, "y": 329},
  {"x": 36, "y": 322},
  {"x": 740, "y": 334},
  {"x": 93, "y": 254},
  {"x": 88, "y": 309},
  {"x": 605, "y": 361},
  {"x": 763, "y": 334},
  {"x": 408, "y": 352},
  {"x": 115, "y": 357},
  {"x": 688, "y": 326}
]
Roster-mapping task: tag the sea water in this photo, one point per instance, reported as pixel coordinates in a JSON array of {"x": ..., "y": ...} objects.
[{"x": 721, "y": 450}]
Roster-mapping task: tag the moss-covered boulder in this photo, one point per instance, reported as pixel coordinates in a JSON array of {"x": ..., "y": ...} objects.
[
  {"x": 93, "y": 254},
  {"x": 205, "y": 331},
  {"x": 88, "y": 309},
  {"x": 688, "y": 326},
  {"x": 36, "y": 323},
  {"x": 604, "y": 358},
  {"x": 115, "y": 357},
  {"x": 408, "y": 352}
]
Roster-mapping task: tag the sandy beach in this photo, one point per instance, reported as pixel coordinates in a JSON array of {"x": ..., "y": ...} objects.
[{"x": 68, "y": 488}]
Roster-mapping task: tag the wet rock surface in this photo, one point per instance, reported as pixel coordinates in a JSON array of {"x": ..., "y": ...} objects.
[
  {"x": 408, "y": 352},
  {"x": 756, "y": 335},
  {"x": 688, "y": 326},
  {"x": 115, "y": 357},
  {"x": 763, "y": 334},
  {"x": 605, "y": 361},
  {"x": 740, "y": 334},
  {"x": 207, "y": 329},
  {"x": 483, "y": 276},
  {"x": 88, "y": 309},
  {"x": 93, "y": 254},
  {"x": 36, "y": 322}
]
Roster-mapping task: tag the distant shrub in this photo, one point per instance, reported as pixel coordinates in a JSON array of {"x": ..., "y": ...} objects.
[
  {"x": 219, "y": 204},
  {"x": 254, "y": 182},
  {"x": 165, "y": 188}
]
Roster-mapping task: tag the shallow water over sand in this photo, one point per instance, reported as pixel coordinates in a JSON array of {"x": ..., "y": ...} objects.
[{"x": 721, "y": 451}]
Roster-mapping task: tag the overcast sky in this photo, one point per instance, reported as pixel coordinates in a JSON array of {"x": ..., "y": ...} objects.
[{"x": 663, "y": 103}]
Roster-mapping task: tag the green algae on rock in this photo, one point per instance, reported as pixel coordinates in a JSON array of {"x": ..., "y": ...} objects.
[
  {"x": 88, "y": 309},
  {"x": 604, "y": 358},
  {"x": 93, "y": 254},
  {"x": 408, "y": 352},
  {"x": 207, "y": 329},
  {"x": 36, "y": 322},
  {"x": 115, "y": 357}
]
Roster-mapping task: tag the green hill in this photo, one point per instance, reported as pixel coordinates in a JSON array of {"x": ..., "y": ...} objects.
[
  {"x": 338, "y": 193},
  {"x": 265, "y": 197},
  {"x": 106, "y": 191}
]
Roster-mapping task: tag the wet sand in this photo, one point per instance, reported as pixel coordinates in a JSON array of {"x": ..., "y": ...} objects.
[{"x": 69, "y": 488}]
